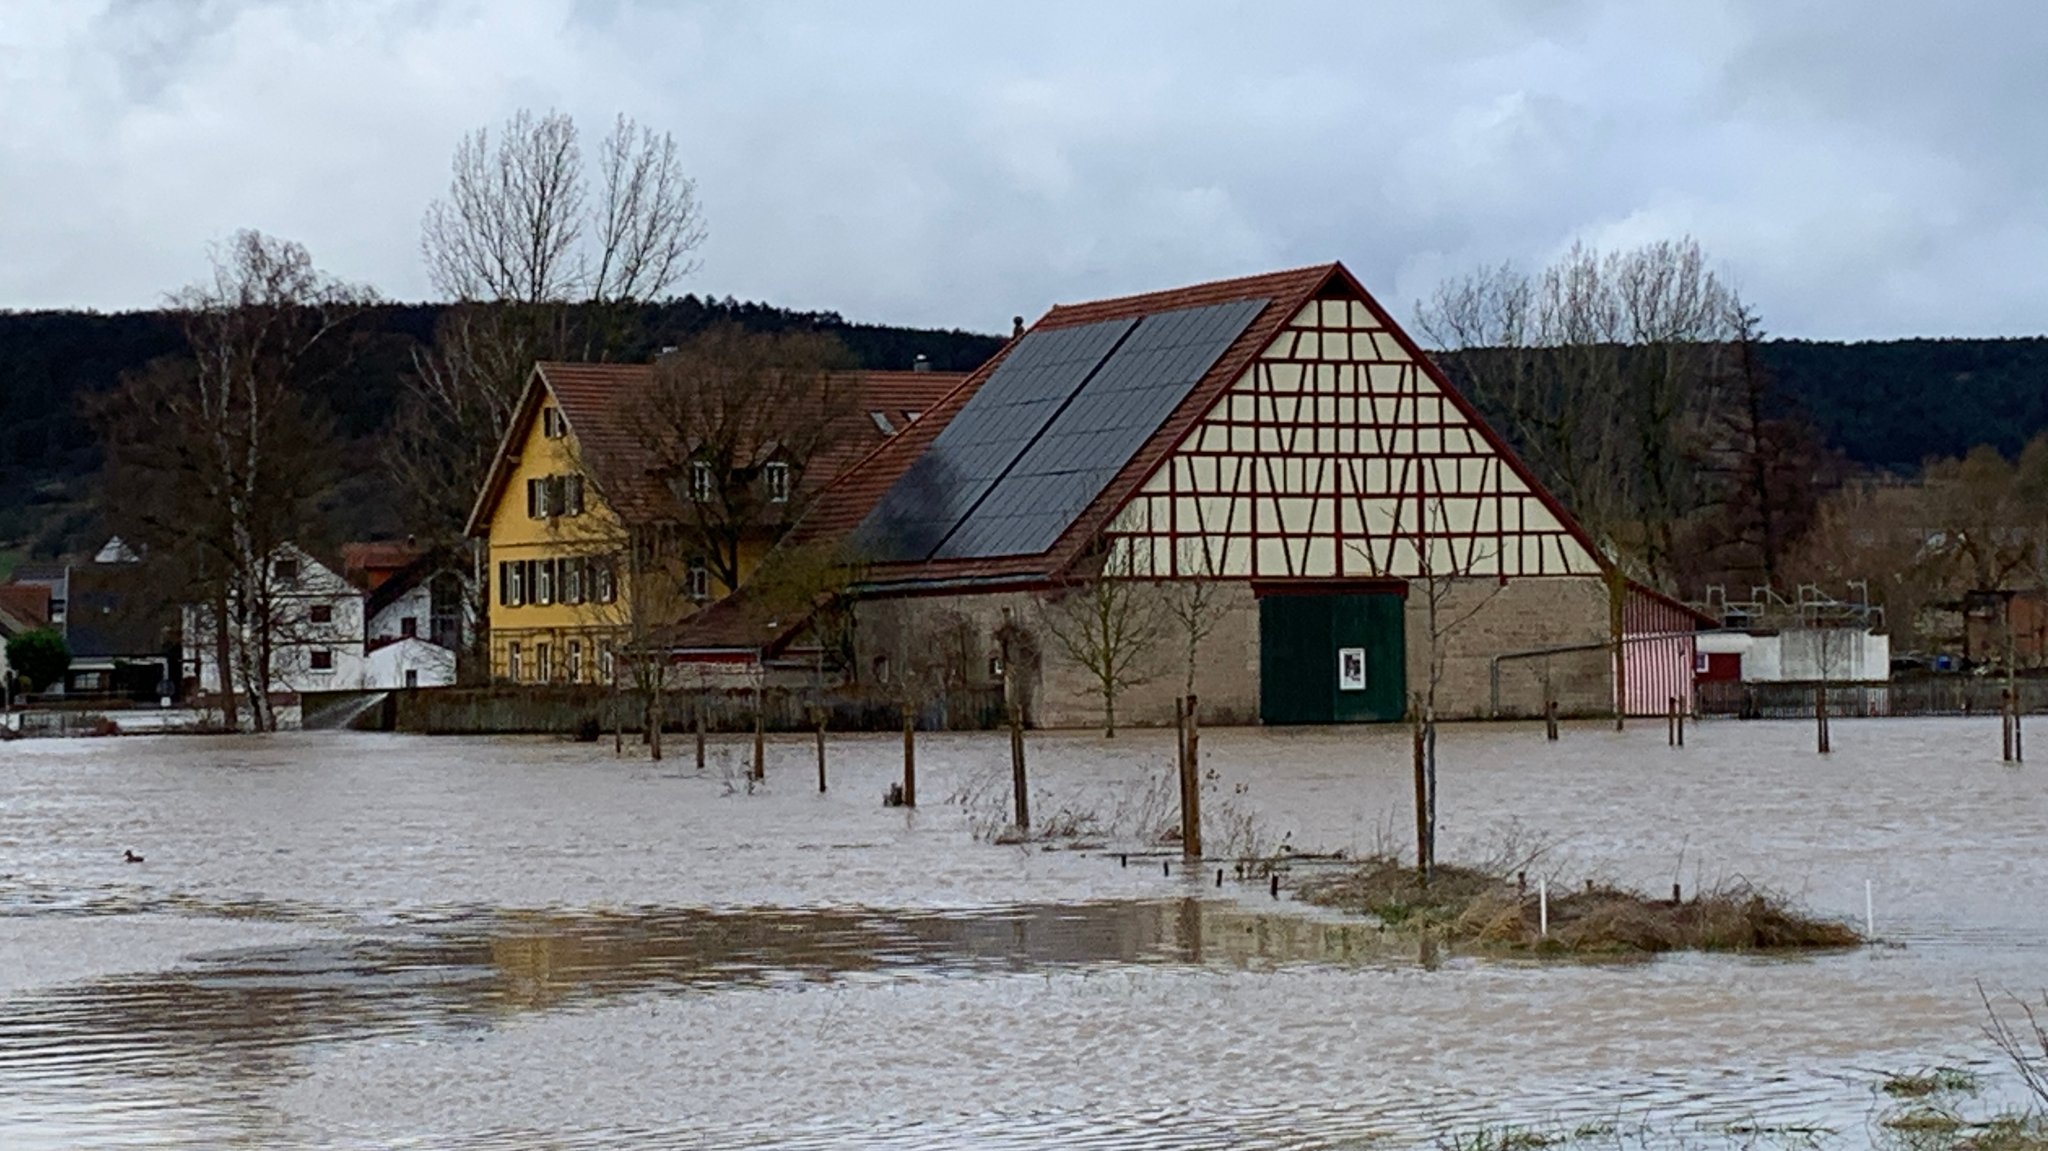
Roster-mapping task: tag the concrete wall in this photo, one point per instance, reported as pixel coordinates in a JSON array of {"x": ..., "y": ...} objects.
[
  {"x": 1482, "y": 618},
  {"x": 952, "y": 637}
]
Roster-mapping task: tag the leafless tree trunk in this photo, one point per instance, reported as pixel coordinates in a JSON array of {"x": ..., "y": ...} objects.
[{"x": 1109, "y": 625}]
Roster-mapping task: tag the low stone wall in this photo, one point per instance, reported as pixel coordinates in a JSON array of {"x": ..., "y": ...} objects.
[{"x": 583, "y": 710}]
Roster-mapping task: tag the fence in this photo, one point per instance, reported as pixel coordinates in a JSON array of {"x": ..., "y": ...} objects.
[
  {"x": 1948, "y": 695},
  {"x": 567, "y": 710}
]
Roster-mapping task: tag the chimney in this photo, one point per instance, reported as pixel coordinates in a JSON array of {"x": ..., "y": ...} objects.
[
  {"x": 922, "y": 363},
  {"x": 1016, "y": 326}
]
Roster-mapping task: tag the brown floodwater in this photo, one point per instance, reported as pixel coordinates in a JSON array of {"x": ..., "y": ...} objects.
[{"x": 343, "y": 940}]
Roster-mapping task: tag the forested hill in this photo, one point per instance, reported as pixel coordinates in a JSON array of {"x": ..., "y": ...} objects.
[
  {"x": 1895, "y": 403},
  {"x": 52, "y": 363},
  {"x": 1884, "y": 405}
]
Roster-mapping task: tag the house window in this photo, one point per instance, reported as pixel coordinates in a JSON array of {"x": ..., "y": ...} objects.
[
  {"x": 90, "y": 681},
  {"x": 544, "y": 583},
  {"x": 604, "y": 663},
  {"x": 575, "y": 661},
  {"x": 320, "y": 613},
  {"x": 412, "y": 678},
  {"x": 285, "y": 570},
  {"x": 552, "y": 425},
  {"x": 697, "y": 581},
  {"x": 543, "y": 668},
  {"x": 995, "y": 667},
  {"x": 700, "y": 480},
  {"x": 571, "y": 589},
  {"x": 1700, "y": 664},
  {"x": 409, "y": 626},
  {"x": 777, "y": 475},
  {"x": 321, "y": 659},
  {"x": 604, "y": 582},
  {"x": 512, "y": 584},
  {"x": 512, "y": 666},
  {"x": 572, "y": 498},
  {"x": 536, "y": 498}
]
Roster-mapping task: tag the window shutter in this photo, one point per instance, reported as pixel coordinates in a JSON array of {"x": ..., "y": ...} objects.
[
  {"x": 575, "y": 500},
  {"x": 532, "y": 499},
  {"x": 504, "y": 584}
]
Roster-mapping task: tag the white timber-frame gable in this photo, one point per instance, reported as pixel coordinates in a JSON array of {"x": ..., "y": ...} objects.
[{"x": 1337, "y": 455}]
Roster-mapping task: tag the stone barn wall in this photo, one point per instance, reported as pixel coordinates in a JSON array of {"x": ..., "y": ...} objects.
[{"x": 952, "y": 637}]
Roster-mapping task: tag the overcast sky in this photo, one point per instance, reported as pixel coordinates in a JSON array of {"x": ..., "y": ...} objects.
[{"x": 1859, "y": 168}]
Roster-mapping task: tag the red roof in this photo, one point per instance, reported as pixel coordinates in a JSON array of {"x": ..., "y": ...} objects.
[
  {"x": 842, "y": 506},
  {"x": 590, "y": 398},
  {"x": 368, "y": 563},
  {"x": 27, "y": 602}
]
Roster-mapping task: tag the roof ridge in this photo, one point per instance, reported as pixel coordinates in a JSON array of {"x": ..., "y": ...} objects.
[{"x": 1261, "y": 282}]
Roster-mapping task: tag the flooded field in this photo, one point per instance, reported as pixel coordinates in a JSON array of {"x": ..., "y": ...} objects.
[{"x": 380, "y": 941}]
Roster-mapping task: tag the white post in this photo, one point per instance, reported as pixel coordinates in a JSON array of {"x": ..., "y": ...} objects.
[
  {"x": 1869, "y": 912},
  {"x": 1543, "y": 907}
]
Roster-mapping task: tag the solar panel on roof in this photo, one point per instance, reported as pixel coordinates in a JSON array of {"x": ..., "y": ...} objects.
[
  {"x": 1003, "y": 417},
  {"x": 1118, "y": 407}
]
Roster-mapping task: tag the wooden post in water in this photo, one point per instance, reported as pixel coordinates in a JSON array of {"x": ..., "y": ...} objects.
[
  {"x": 1670, "y": 721},
  {"x": 1421, "y": 807},
  {"x": 818, "y": 715},
  {"x": 1820, "y": 715},
  {"x": 1550, "y": 720},
  {"x": 654, "y": 719},
  {"x": 1191, "y": 785},
  {"x": 909, "y": 756},
  {"x": 697, "y": 714},
  {"x": 2019, "y": 753},
  {"x": 760, "y": 738},
  {"x": 2005, "y": 726},
  {"x": 1018, "y": 783}
]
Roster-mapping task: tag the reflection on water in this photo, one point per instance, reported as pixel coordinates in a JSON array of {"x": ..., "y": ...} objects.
[
  {"x": 232, "y": 1019},
  {"x": 360, "y": 941}
]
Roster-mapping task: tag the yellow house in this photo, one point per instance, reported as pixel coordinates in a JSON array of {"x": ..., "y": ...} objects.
[{"x": 586, "y": 549}]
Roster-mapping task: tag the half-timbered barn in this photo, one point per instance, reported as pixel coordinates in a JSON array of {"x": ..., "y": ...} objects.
[{"x": 1358, "y": 534}]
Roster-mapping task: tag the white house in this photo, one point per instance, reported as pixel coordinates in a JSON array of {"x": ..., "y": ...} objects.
[
  {"x": 327, "y": 634},
  {"x": 1802, "y": 655}
]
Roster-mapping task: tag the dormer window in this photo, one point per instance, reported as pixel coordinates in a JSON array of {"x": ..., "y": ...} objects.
[
  {"x": 701, "y": 486},
  {"x": 697, "y": 581},
  {"x": 882, "y": 423},
  {"x": 776, "y": 476}
]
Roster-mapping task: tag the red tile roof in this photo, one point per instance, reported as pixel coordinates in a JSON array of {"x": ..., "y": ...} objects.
[
  {"x": 591, "y": 397},
  {"x": 27, "y": 602},
  {"x": 367, "y": 563},
  {"x": 841, "y": 507}
]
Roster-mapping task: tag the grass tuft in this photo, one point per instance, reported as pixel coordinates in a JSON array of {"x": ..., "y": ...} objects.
[{"x": 1476, "y": 907}]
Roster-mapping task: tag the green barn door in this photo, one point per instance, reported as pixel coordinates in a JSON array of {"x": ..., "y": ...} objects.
[{"x": 1332, "y": 659}]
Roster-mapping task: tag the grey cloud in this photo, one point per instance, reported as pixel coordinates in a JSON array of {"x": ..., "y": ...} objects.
[{"x": 1860, "y": 169}]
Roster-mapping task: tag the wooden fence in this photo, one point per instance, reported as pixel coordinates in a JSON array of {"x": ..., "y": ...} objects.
[{"x": 1945, "y": 695}]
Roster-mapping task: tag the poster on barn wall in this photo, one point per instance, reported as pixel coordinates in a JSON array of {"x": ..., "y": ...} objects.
[{"x": 1351, "y": 669}]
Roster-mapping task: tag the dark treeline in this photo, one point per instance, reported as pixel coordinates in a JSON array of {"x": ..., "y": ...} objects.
[
  {"x": 1893, "y": 404},
  {"x": 53, "y": 363}
]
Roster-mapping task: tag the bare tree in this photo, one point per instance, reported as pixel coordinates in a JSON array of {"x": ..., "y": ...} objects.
[
  {"x": 1598, "y": 369},
  {"x": 1110, "y": 625},
  {"x": 519, "y": 224},
  {"x": 541, "y": 266},
  {"x": 734, "y": 423},
  {"x": 222, "y": 455}
]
